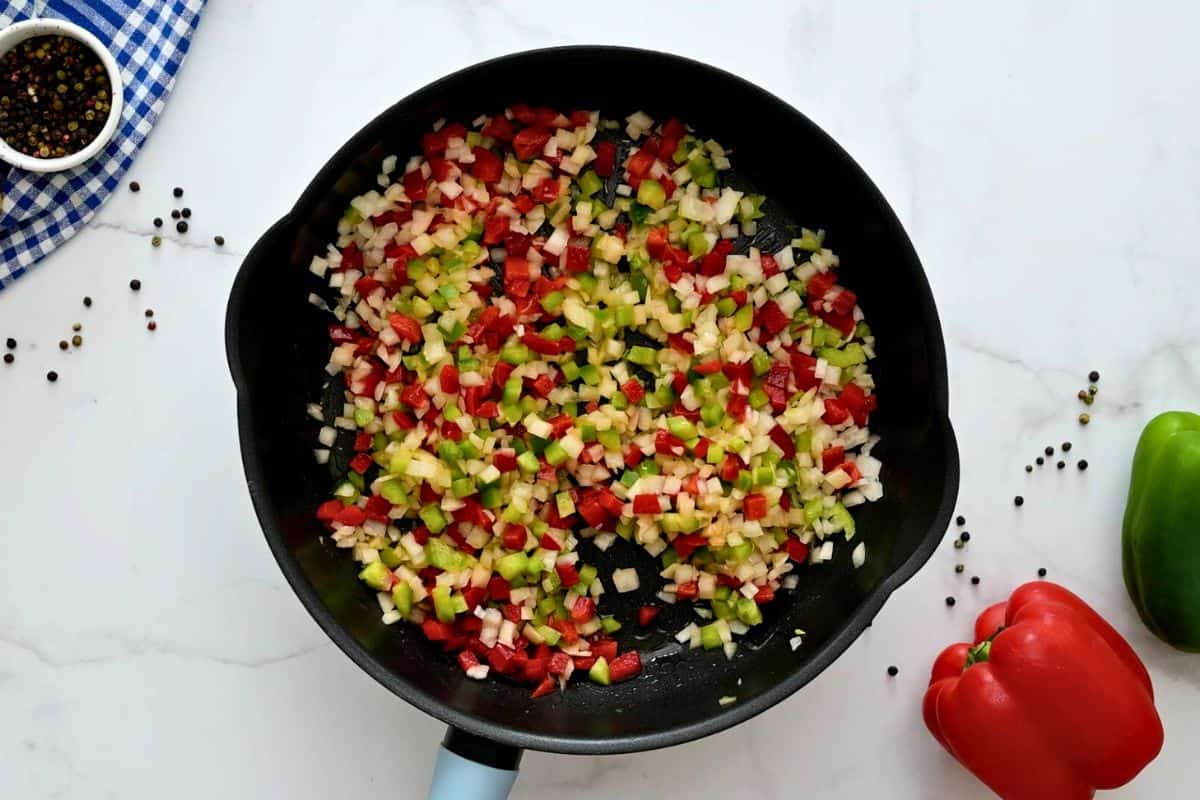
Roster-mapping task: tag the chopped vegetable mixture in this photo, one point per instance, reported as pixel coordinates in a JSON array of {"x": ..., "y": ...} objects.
[{"x": 550, "y": 332}]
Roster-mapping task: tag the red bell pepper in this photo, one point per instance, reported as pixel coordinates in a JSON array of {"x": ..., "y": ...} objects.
[{"x": 1050, "y": 703}]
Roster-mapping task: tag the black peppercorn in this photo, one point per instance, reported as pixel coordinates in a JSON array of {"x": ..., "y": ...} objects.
[
  {"x": 1040, "y": 461},
  {"x": 181, "y": 226},
  {"x": 158, "y": 223},
  {"x": 966, "y": 537},
  {"x": 87, "y": 302},
  {"x": 135, "y": 284},
  {"x": 134, "y": 186},
  {"x": 1093, "y": 376},
  {"x": 950, "y": 601},
  {"x": 1082, "y": 464},
  {"x": 1049, "y": 450},
  {"x": 52, "y": 376},
  {"x": 893, "y": 671},
  {"x": 149, "y": 312},
  {"x": 178, "y": 192},
  {"x": 187, "y": 213},
  {"x": 1029, "y": 467},
  {"x": 62, "y": 345},
  {"x": 11, "y": 343},
  {"x": 1041, "y": 572},
  {"x": 220, "y": 240},
  {"x": 974, "y": 580},
  {"x": 1066, "y": 447},
  {"x": 960, "y": 520},
  {"x": 1019, "y": 501},
  {"x": 8, "y": 358},
  {"x": 1061, "y": 464},
  {"x": 175, "y": 213},
  {"x": 958, "y": 568}
]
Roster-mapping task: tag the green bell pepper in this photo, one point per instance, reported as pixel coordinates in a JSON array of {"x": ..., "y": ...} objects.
[{"x": 1160, "y": 538}]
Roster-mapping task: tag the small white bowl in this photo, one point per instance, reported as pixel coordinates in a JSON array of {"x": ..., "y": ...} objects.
[{"x": 13, "y": 35}]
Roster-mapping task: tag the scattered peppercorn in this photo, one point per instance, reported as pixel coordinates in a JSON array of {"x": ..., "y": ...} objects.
[
  {"x": 220, "y": 240},
  {"x": 151, "y": 325},
  {"x": 134, "y": 186},
  {"x": 1061, "y": 464},
  {"x": 52, "y": 376},
  {"x": 1092, "y": 390},
  {"x": 950, "y": 601},
  {"x": 958, "y": 544},
  {"x": 87, "y": 302},
  {"x": 55, "y": 96},
  {"x": 181, "y": 226},
  {"x": 11, "y": 343},
  {"x": 974, "y": 580},
  {"x": 1040, "y": 461},
  {"x": 1085, "y": 418},
  {"x": 1082, "y": 464},
  {"x": 960, "y": 520},
  {"x": 8, "y": 358},
  {"x": 959, "y": 568},
  {"x": 156, "y": 241},
  {"x": 158, "y": 223},
  {"x": 1093, "y": 376},
  {"x": 77, "y": 340},
  {"x": 175, "y": 213},
  {"x": 178, "y": 192},
  {"x": 893, "y": 671},
  {"x": 1041, "y": 572},
  {"x": 62, "y": 345},
  {"x": 1066, "y": 447},
  {"x": 186, "y": 212},
  {"x": 1049, "y": 450},
  {"x": 966, "y": 537},
  {"x": 1029, "y": 467},
  {"x": 1019, "y": 501},
  {"x": 77, "y": 327},
  {"x": 149, "y": 312}
]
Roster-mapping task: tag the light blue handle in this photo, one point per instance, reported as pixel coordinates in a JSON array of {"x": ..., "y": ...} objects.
[{"x": 458, "y": 778}]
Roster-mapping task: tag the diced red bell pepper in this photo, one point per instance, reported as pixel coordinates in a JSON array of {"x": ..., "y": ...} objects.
[
  {"x": 448, "y": 378},
  {"x": 646, "y": 614},
  {"x": 441, "y": 169},
  {"x": 362, "y": 442},
  {"x": 498, "y": 589},
  {"x": 783, "y": 441},
  {"x": 769, "y": 265},
  {"x": 624, "y": 666},
  {"x": 687, "y": 544},
  {"x": 403, "y": 421},
  {"x": 584, "y": 662},
  {"x": 701, "y": 447},
  {"x": 542, "y": 385},
  {"x": 534, "y": 670},
  {"x": 546, "y": 191},
  {"x": 738, "y": 373},
  {"x": 656, "y": 242},
  {"x": 851, "y": 469},
  {"x": 772, "y": 319},
  {"x": 516, "y": 244},
  {"x": 708, "y": 367},
  {"x": 776, "y": 383},
  {"x": 467, "y": 659},
  {"x": 530, "y": 142},
  {"x": 436, "y": 631},
  {"x": 548, "y": 542},
  {"x": 678, "y": 343},
  {"x": 730, "y": 468},
  {"x": 754, "y": 506},
  {"x": 567, "y": 574},
  {"x": 377, "y": 508},
  {"x": 540, "y": 344},
  {"x": 487, "y": 167},
  {"x": 633, "y": 390},
  {"x": 511, "y": 612},
  {"x": 516, "y": 277},
  {"x": 407, "y": 328},
  {"x": 797, "y": 550},
  {"x": 583, "y": 609},
  {"x": 713, "y": 262},
  {"x": 765, "y": 594},
  {"x": 524, "y": 203},
  {"x": 647, "y": 504},
  {"x": 547, "y": 686},
  {"x": 606, "y": 154},
  {"x": 500, "y": 656},
  {"x": 667, "y": 444},
  {"x": 835, "y": 412},
  {"x": 560, "y": 665},
  {"x": 844, "y": 303},
  {"x": 499, "y": 127},
  {"x": 414, "y": 185},
  {"x": 804, "y": 370},
  {"x": 819, "y": 286},
  {"x": 340, "y": 334},
  {"x": 495, "y": 228},
  {"x": 514, "y": 536},
  {"x": 639, "y": 164},
  {"x": 832, "y": 457},
  {"x": 329, "y": 510},
  {"x": 687, "y": 591},
  {"x": 352, "y": 516},
  {"x": 364, "y": 286},
  {"x": 578, "y": 258},
  {"x": 421, "y": 534},
  {"x": 414, "y": 397}
]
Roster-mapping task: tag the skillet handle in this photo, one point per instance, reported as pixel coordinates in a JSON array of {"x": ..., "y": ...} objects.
[{"x": 469, "y": 766}]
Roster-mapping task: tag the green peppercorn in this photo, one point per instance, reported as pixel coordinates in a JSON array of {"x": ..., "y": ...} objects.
[{"x": 1085, "y": 418}]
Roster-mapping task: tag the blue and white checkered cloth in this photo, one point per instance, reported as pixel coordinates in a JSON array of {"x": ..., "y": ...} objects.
[{"x": 149, "y": 39}]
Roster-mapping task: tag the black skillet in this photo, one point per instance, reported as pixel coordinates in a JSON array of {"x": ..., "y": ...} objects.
[{"x": 277, "y": 346}]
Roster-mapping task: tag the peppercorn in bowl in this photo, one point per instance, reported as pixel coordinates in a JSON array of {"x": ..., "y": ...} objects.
[{"x": 60, "y": 95}]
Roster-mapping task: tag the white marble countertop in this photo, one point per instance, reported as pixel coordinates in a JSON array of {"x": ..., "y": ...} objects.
[{"x": 1044, "y": 162}]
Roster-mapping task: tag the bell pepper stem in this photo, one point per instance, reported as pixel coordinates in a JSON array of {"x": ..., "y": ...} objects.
[{"x": 981, "y": 652}]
